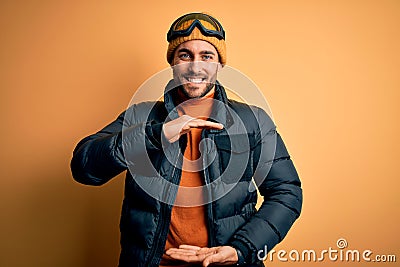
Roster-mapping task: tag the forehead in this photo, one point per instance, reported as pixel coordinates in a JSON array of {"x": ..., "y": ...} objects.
[{"x": 197, "y": 46}]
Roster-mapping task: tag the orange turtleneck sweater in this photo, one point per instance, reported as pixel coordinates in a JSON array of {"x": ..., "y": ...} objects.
[{"x": 188, "y": 220}]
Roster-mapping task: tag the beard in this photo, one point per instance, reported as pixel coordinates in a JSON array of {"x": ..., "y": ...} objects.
[
  {"x": 194, "y": 85},
  {"x": 192, "y": 92}
]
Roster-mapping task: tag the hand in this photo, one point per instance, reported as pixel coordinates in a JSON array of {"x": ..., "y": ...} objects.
[
  {"x": 223, "y": 255},
  {"x": 174, "y": 129}
]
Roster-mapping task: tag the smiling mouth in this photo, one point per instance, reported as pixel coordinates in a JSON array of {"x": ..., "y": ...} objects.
[{"x": 195, "y": 79}]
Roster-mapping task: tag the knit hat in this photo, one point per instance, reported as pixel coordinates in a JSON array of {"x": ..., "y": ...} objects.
[{"x": 197, "y": 34}]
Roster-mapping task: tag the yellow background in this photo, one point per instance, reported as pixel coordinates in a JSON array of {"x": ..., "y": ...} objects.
[{"x": 329, "y": 70}]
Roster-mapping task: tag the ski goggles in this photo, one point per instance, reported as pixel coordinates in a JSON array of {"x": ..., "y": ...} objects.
[{"x": 176, "y": 28}]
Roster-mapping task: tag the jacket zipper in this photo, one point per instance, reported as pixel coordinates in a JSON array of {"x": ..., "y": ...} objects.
[
  {"x": 210, "y": 218},
  {"x": 162, "y": 230},
  {"x": 155, "y": 261},
  {"x": 210, "y": 225}
]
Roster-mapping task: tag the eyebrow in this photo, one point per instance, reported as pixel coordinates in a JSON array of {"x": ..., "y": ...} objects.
[
  {"x": 185, "y": 50},
  {"x": 205, "y": 52}
]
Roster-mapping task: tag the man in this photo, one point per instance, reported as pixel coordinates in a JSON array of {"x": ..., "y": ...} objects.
[{"x": 188, "y": 201}]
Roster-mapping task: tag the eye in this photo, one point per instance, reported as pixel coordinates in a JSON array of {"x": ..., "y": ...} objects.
[
  {"x": 184, "y": 56},
  {"x": 207, "y": 57}
]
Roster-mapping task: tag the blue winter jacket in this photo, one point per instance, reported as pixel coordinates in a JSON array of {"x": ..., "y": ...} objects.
[{"x": 248, "y": 154}]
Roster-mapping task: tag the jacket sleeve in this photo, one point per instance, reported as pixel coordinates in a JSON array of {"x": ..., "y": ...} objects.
[
  {"x": 279, "y": 184},
  {"x": 121, "y": 144}
]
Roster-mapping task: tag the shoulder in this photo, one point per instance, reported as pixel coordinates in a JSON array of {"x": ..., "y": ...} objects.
[
  {"x": 254, "y": 117},
  {"x": 144, "y": 111}
]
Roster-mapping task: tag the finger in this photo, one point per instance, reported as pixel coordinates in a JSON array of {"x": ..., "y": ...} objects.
[
  {"x": 180, "y": 251},
  {"x": 193, "y": 124},
  {"x": 219, "y": 256},
  {"x": 183, "y": 250},
  {"x": 207, "y": 261},
  {"x": 216, "y": 125},
  {"x": 204, "y": 124},
  {"x": 196, "y": 123},
  {"x": 188, "y": 258},
  {"x": 190, "y": 247},
  {"x": 214, "y": 258}
]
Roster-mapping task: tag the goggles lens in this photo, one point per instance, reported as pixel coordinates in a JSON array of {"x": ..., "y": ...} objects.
[{"x": 205, "y": 23}]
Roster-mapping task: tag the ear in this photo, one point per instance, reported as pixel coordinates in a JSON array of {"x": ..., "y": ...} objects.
[{"x": 219, "y": 66}]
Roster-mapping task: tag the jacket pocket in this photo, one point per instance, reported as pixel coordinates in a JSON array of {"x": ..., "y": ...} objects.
[
  {"x": 138, "y": 227},
  {"x": 235, "y": 156}
]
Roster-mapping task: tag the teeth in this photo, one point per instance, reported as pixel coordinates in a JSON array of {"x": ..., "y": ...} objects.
[{"x": 195, "y": 80}]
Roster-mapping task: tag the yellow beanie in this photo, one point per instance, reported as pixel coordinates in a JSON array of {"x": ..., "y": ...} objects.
[{"x": 196, "y": 34}]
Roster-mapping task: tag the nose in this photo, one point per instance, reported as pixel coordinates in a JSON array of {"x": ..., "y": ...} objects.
[{"x": 195, "y": 66}]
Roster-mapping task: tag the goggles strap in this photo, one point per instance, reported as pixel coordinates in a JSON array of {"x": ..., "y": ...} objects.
[{"x": 218, "y": 33}]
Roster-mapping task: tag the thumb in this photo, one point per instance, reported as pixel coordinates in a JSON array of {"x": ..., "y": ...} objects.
[{"x": 210, "y": 259}]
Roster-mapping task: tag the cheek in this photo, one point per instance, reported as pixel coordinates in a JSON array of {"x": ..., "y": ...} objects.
[
  {"x": 212, "y": 69},
  {"x": 178, "y": 69}
]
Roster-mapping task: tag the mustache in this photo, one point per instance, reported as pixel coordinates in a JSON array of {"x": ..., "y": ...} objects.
[{"x": 194, "y": 75}]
